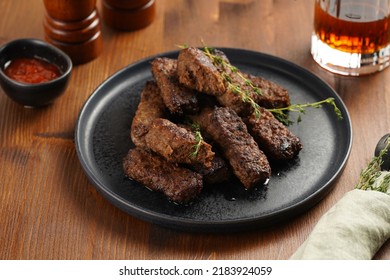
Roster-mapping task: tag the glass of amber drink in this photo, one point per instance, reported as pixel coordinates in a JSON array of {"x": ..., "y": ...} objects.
[{"x": 351, "y": 37}]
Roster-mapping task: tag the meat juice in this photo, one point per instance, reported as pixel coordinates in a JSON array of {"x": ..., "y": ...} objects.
[{"x": 352, "y": 26}]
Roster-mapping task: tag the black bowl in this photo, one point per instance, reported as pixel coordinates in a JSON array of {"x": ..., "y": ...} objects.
[{"x": 39, "y": 94}]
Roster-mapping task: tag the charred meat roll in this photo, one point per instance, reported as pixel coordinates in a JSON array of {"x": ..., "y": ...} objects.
[
  {"x": 177, "y": 98},
  {"x": 228, "y": 130},
  {"x": 218, "y": 172},
  {"x": 272, "y": 95},
  {"x": 273, "y": 137},
  {"x": 177, "y": 144},
  {"x": 178, "y": 184},
  {"x": 232, "y": 88},
  {"x": 151, "y": 106},
  {"x": 197, "y": 71},
  {"x": 237, "y": 94},
  {"x": 262, "y": 92}
]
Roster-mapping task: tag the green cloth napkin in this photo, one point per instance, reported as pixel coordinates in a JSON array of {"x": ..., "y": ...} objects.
[{"x": 353, "y": 229}]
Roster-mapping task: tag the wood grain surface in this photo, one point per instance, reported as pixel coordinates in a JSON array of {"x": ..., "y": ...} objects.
[{"x": 49, "y": 209}]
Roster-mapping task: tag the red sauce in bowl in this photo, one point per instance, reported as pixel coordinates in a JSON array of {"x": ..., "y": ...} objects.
[{"x": 31, "y": 70}]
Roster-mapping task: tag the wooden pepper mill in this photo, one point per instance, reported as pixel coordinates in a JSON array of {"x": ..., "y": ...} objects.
[
  {"x": 74, "y": 26},
  {"x": 128, "y": 15}
]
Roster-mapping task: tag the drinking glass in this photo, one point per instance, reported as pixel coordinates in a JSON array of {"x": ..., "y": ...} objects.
[{"x": 351, "y": 37}]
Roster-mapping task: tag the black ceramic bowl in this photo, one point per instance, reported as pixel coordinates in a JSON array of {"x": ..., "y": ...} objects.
[{"x": 34, "y": 94}]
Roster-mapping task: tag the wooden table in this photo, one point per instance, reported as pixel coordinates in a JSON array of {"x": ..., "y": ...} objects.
[{"x": 49, "y": 209}]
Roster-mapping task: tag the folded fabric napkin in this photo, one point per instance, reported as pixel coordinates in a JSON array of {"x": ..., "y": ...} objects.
[
  {"x": 355, "y": 228},
  {"x": 357, "y": 225}
]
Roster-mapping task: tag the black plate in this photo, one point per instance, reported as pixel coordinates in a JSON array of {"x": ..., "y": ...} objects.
[{"x": 102, "y": 140}]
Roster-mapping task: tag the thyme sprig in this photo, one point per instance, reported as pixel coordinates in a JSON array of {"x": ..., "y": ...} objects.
[
  {"x": 234, "y": 86},
  {"x": 246, "y": 95},
  {"x": 282, "y": 116},
  {"x": 198, "y": 138},
  {"x": 372, "y": 178}
]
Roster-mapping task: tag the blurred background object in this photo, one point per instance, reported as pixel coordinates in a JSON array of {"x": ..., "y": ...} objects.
[{"x": 74, "y": 27}]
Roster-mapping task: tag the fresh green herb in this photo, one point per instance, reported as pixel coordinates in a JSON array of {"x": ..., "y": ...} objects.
[
  {"x": 372, "y": 178},
  {"x": 198, "y": 138},
  {"x": 282, "y": 116},
  {"x": 218, "y": 60},
  {"x": 184, "y": 46}
]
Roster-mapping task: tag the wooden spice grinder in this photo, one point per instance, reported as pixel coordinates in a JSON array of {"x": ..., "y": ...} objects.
[
  {"x": 128, "y": 15},
  {"x": 74, "y": 26}
]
